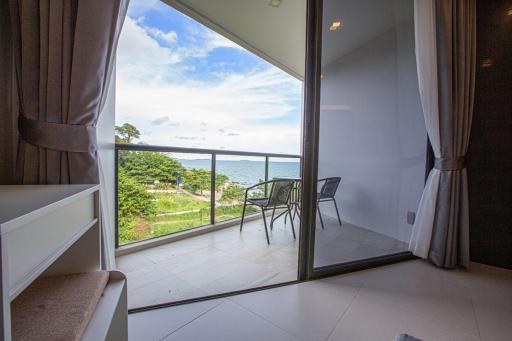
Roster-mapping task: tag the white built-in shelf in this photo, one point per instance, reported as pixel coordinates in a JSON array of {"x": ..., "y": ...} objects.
[
  {"x": 25, "y": 202},
  {"x": 52, "y": 230}
]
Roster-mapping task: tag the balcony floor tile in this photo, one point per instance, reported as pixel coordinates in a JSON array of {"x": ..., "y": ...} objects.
[{"x": 227, "y": 260}]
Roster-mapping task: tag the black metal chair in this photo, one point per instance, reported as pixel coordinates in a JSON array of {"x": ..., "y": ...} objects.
[
  {"x": 279, "y": 198},
  {"x": 327, "y": 193}
]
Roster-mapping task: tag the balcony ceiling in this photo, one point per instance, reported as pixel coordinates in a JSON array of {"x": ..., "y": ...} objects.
[
  {"x": 277, "y": 34},
  {"x": 362, "y": 21}
]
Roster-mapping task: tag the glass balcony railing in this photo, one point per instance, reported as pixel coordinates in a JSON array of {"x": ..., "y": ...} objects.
[{"x": 164, "y": 190}]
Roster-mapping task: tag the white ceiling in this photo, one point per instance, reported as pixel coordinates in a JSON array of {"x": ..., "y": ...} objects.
[
  {"x": 362, "y": 21},
  {"x": 275, "y": 34},
  {"x": 279, "y": 34}
]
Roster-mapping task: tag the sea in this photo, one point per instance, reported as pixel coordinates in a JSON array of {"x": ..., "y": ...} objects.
[{"x": 247, "y": 172}]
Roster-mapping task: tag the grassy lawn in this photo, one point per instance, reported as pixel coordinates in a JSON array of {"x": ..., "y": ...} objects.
[
  {"x": 175, "y": 212},
  {"x": 229, "y": 212},
  {"x": 177, "y": 202},
  {"x": 171, "y": 224}
]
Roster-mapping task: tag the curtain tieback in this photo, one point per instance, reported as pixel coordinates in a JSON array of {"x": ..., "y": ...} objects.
[
  {"x": 74, "y": 138},
  {"x": 450, "y": 163}
]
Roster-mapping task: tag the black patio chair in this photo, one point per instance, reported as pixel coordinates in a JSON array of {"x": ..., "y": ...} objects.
[
  {"x": 279, "y": 198},
  {"x": 327, "y": 193}
]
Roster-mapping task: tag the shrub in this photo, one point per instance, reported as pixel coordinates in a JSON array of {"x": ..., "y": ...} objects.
[{"x": 133, "y": 199}]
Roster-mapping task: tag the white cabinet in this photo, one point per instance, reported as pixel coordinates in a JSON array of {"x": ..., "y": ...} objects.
[{"x": 51, "y": 230}]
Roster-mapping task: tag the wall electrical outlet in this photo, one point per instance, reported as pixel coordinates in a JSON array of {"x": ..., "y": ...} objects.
[{"x": 411, "y": 217}]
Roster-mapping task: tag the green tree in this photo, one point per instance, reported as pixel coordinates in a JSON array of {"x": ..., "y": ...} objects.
[
  {"x": 220, "y": 180},
  {"x": 126, "y": 133},
  {"x": 133, "y": 199},
  {"x": 233, "y": 193},
  {"x": 151, "y": 166},
  {"x": 197, "y": 180},
  {"x": 135, "y": 208}
]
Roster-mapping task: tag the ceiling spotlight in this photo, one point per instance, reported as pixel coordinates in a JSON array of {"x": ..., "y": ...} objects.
[
  {"x": 335, "y": 25},
  {"x": 275, "y": 3}
]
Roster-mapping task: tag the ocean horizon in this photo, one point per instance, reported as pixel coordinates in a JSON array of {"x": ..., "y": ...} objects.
[{"x": 246, "y": 172}]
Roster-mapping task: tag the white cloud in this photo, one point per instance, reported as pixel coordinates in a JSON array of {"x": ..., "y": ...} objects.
[
  {"x": 231, "y": 113},
  {"x": 169, "y": 38},
  {"x": 140, "y": 7},
  {"x": 216, "y": 40},
  {"x": 185, "y": 137},
  {"x": 160, "y": 120},
  {"x": 140, "y": 58},
  {"x": 201, "y": 41}
]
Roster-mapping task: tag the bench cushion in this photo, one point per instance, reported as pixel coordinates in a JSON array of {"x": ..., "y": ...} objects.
[{"x": 57, "y": 307}]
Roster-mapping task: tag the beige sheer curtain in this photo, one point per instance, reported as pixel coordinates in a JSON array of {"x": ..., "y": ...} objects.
[
  {"x": 64, "y": 52},
  {"x": 445, "y": 55},
  {"x": 426, "y": 61}
]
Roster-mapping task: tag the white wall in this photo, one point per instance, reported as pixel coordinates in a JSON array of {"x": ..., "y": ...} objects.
[
  {"x": 372, "y": 132},
  {"x": 106, "y": 149}
]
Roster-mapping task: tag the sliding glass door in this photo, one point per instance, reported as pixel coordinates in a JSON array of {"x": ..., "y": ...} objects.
[
  {"x": 208, "y": 130},
  {"x": 219, "y": 114},
  {"x": 371, "y": 135}
]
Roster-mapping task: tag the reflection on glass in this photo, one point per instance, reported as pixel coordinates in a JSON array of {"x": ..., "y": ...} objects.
[{"x": 372, "y": 133}]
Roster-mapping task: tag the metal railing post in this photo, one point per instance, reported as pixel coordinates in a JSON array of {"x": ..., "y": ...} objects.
[
  {"x": 266, "y": 175},
  {"x": 212, "y": 189},
  {"x": 116, "y": 198}
]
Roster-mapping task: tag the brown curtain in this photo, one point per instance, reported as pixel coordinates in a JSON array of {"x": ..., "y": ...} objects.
[
  {"x": 456, "y": 62},
  {"x": 64, "y": 52}
]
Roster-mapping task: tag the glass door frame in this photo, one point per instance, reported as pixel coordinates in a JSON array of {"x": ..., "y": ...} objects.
[
  {"x": 309, "y": 172},
  {"x": 310, "y": 149}
]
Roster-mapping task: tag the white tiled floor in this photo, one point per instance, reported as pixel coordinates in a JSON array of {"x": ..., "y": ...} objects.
[
  {"x": 335, "y": 244},
  {"x": 228, "y": 260},
  {"x": 378, "y": 304}
]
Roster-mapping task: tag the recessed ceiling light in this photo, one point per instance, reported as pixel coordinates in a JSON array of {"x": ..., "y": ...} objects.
[
  {"x": 335, "y": 25},
  {"x": 275, "y": 3}
]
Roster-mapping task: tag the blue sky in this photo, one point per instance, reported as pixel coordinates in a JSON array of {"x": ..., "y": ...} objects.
[{"x": 182, "y": 84}]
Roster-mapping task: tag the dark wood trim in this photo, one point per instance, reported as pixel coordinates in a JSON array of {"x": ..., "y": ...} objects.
[{"x": 489, "y": 157}]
